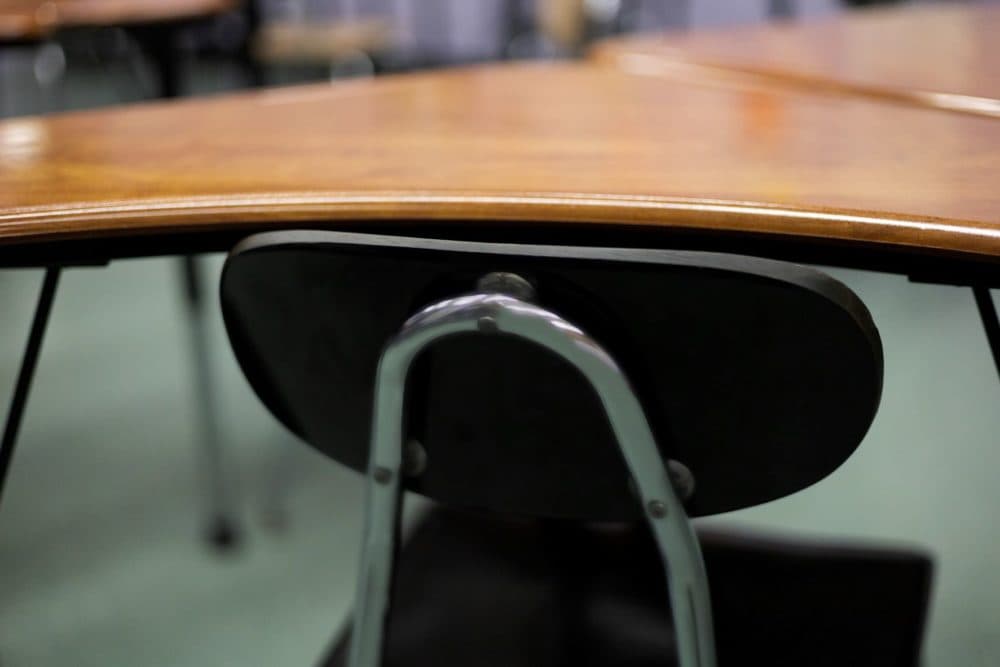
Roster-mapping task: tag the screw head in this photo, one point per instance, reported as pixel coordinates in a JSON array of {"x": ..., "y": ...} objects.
[
  {"x": 656, "y": 509},
  {"x": 681, "y": 478},
  {"x": 511, "y": 284},
  {"x": 382, "y": 475},
  {"x": 487, "y": 324},
  {"x": 414, "y": 458}
]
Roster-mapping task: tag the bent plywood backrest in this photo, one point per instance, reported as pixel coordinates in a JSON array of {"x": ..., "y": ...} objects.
[{"x": 761, "y": 377}]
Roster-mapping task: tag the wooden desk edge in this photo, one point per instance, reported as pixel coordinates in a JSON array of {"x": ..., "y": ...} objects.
[{"x": 23, "y": 227}]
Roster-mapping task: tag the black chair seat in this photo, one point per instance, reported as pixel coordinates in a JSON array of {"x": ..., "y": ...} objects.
[{"x": 477, "y": 590}]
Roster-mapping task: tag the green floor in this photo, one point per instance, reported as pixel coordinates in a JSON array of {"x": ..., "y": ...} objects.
[{"x": 100, "y": 557}]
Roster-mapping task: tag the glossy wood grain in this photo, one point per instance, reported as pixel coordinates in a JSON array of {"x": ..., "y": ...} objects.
[
  {"x": 563, "y": 144},
  {"x": 33, "y": 19},
  {"x": 944, "y": 56}
]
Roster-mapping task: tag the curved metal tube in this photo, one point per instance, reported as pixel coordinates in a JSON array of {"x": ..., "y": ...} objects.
[{"x": 501, "y": 314}]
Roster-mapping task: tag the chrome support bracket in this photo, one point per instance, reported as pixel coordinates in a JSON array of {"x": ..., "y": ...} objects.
[{"x": 503, "y": 314}]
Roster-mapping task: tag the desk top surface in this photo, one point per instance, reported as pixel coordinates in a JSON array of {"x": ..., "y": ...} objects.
[
  {"x": 945, "y": 56},
  {"x": 31, "y": 19},
  {"x": 564, "y": 145}
]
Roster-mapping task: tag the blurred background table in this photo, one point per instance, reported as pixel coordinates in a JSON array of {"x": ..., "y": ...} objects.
[
  {"x": 939, "y": 55},
  {"x": 151, "y": 22},
  {"x": 38, "y": 18}
]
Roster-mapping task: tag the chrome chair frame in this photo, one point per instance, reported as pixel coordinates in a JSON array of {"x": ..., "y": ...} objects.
[{"x": 492, "y": 314}]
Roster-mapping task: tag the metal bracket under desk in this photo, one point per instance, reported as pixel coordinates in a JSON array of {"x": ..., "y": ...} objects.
[
  {"x": 988, "y": 314},
  {"x": 984, "y": 304}
]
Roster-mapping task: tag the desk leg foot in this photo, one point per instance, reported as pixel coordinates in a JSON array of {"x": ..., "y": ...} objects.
[
  {"x": 223, "y": 535},
  {"x": 988, "y": 315},
  {"x": 19, "y": 400}
]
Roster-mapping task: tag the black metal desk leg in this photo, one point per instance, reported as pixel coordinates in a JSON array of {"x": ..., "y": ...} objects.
[
  {"x": 159, "y": 42},
  {"x": 988, "y": 314},
  {"x": 223, "y": 532},
  {"x": 20, "y": 398},
  {"x": 254, "y": 69}
]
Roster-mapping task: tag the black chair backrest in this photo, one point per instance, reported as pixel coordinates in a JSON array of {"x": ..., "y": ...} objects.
[{"x": 762, "y": 377}]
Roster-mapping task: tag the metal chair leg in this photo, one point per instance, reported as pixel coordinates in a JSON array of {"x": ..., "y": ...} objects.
[
  {"x": 19, "y": 400},
  {"x": 502, "y": 314}
]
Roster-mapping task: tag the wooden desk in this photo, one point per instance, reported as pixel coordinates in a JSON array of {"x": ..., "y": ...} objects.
[
  {"x": 945, "y": 56},
  {"x": 561, "y": 146},
  {"x": 129, "y": 12},
  {"x": 34, "y": 19}
]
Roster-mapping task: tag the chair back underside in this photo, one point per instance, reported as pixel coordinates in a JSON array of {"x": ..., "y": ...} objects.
[{"x": 759, "y": 376}]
